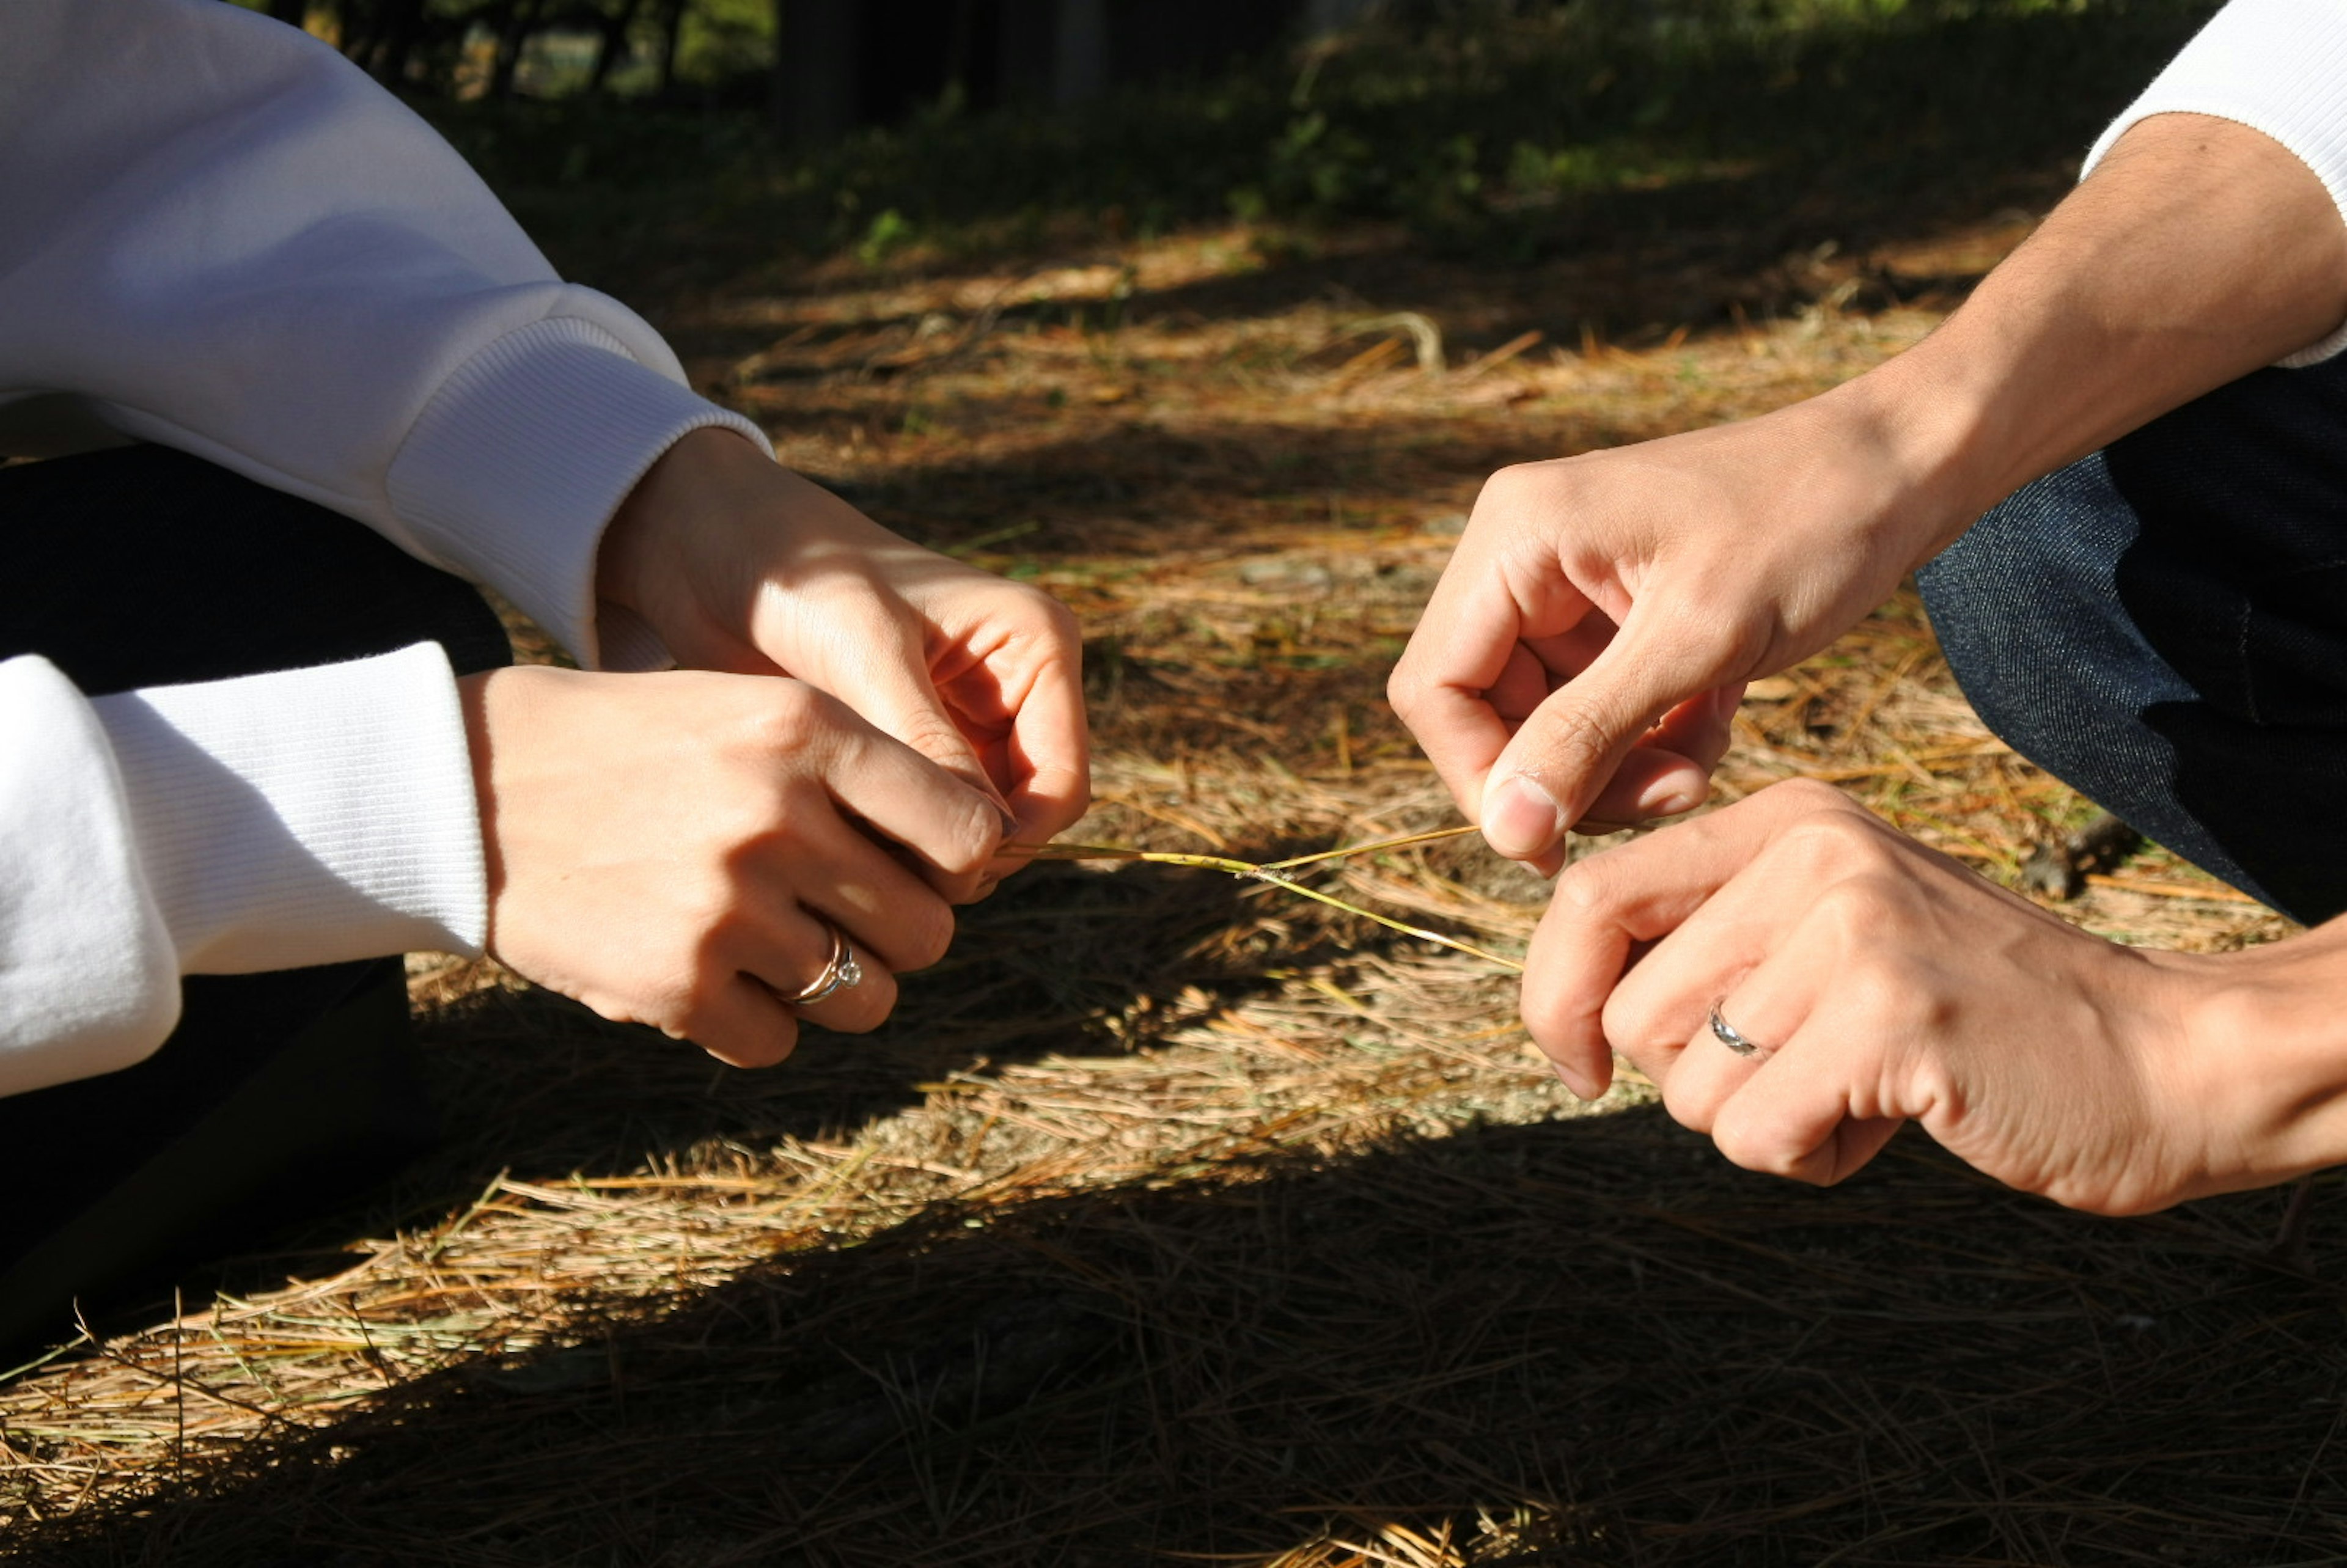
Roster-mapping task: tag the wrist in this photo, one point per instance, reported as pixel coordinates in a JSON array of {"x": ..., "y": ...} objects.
[
  {"x": 1918, "y": 434},
  {"x": 656, "y": 536},
  {"x": 2264, "y": 1060},
  {"x": 1972, "y": 416}
]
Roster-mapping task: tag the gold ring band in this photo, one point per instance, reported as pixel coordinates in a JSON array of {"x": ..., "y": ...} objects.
[{"x": 841, "y": 972}]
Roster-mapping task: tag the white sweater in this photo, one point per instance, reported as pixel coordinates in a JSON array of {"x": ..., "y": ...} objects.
[{"x": 218, "y": 235}]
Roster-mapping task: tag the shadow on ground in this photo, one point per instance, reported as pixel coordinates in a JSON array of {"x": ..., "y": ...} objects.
[{"x": 1580, "y": 1342}]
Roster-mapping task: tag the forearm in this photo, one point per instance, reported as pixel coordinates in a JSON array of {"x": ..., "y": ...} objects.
[{"x": 2198, "y": 251}]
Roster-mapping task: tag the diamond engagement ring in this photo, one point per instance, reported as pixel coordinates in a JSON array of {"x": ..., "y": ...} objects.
[
  {"x": 841, "y": 972},
  {"x": 1728, "y": 1035}
]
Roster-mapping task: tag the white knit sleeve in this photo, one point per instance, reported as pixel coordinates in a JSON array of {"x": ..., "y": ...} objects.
[
  {"x": 89, "y": 980},
  {"x": 223, "y": 237},
  {"x": 270, "y": 822},
  {"x": 304, "y": 816},
  {"x": 2279, "y": 66}
]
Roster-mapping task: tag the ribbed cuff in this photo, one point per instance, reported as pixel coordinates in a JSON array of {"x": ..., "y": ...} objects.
[
  {"x": 305, "y": 818},
  {"x": 517, "y": 464},
  {"x": 2279, "y": 66},
  {"x": 88, "y": 984}
]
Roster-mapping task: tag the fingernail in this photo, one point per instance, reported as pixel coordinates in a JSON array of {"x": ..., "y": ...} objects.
[
  {"x": 1581, "y": 1088},
  {"x": 1666, "y": 799},
  {"x": 1521, "y": 818}
]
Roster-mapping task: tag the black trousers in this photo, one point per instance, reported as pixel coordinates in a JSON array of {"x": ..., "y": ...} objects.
[{"x": 145, "y": 566}]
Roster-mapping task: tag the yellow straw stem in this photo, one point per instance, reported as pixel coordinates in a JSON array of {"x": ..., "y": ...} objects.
[{"x": 1276, "y": 872}]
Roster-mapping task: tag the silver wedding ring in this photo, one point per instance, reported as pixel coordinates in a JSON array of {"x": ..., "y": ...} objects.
[
  {"x": 841, "y": 972},
  {"x": 1728, "y": 1035}
]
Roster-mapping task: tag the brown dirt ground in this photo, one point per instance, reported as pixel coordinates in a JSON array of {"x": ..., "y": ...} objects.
[{"x": 1174, "y": 1219}]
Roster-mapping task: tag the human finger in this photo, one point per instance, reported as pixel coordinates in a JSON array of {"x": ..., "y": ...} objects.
[
  {"x": 951, "y": 828},
  {"x": 844, "y": 987},
  {"x": 1776, "y": 1073},
  {"x": 1795, "y": 1118},
  {"x": 1732, "y": 1015},
  {"x": 1560, "y": 759},
  {"x": 1668, "y": 770},
  {"x": 888, "y": 682},
  {"x": 739, "y": 1021},
  {"x": 1048, "y": 756},
  {"x": 1468, "y": 675},
  {"x": 1635, "y": 893},
  {"x": 833, "y": 872}
]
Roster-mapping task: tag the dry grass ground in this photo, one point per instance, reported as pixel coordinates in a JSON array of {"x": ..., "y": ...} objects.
[{"x": 1176, "y": 1220}]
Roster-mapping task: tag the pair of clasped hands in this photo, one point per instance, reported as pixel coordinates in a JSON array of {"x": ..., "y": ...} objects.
[{"x": 862, "y": 726}]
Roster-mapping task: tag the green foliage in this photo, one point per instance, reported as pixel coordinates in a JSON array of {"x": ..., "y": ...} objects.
[
  {"x": 888, "y": 234},
  {"x": 1488, "y": 125}
]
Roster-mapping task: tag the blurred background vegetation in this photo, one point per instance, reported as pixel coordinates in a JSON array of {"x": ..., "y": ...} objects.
[{"x": 882, "y": 128}]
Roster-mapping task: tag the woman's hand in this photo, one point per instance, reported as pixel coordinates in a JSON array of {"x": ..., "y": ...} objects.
[
  {"x": 740, "y": 564},
  {"x": 1884, "y": 982},
  {"x": 674, "y": 849}
]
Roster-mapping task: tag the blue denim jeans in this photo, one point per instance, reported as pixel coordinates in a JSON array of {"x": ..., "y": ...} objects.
[{"x": 2163, "y": 626}]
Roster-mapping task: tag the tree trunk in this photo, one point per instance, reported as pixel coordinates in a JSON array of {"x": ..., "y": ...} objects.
[
  {"x": 815, "y": 69},
  {"x": 402, "y": 24},
  {"x": 613, "y": 47},
  {"x": 671, "y": 23},
  {"x": 521, "y": 21}
]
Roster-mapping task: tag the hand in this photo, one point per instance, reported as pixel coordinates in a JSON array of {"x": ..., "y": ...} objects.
[
  {"x": 1595, "y": 598},
  {"x": 1588, "y": 643},
  {"x": 1885, "y": 982},
  {"x": 740, "y": 564},
  {"x": 668, "y": 848}
]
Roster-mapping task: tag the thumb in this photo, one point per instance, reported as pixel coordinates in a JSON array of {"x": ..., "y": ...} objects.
[
  {"x": 1567, "y": 750},
  {"x": 895, "y": 696}
]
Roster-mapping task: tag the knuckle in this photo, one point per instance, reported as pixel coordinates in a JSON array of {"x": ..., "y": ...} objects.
[
  {"x": 970, "y": 837},
  {"x": 925, "y": 930},
  {"x": 1517, "y": 485},
  {"x": 1754, "y": 1145},
  {"x": 1596, "y": 887},
  {"x": 790, "y": 714},
  {"x": 1831, "y": 843},
  {"x": 1409, "y": 685},
  {"x": 1747, "y": 1147},
  {"x": 934, "y": 737},
  {"x": 1059, "y": 626},
  {"x": 1809, "y": 796},
  {"x": 865, "y": 1009},
  {"x": 1580, "y": 737},
  {"x": 1852, "y": 904},
  {"x": 1692, "y": 1110}
]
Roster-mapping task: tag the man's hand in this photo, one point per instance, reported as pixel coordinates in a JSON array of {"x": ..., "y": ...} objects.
[
  {"x": 740, "y": 564},
  {"x": 1884, "y": 982},
  {"x": 668, "y": 848},
  {"x": 1595, "y": 598},
  {"x": 1589, "y": 641}
]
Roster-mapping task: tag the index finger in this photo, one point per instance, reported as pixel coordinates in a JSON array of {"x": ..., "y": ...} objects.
[
  {"x": 1049, "y": 754},
  {"x": 1608, "y": 905},
  {"x": 1475, "y": 638}
]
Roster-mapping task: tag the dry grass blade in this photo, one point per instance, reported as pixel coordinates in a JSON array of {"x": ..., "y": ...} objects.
[{"x": 1279, "y": 874}]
